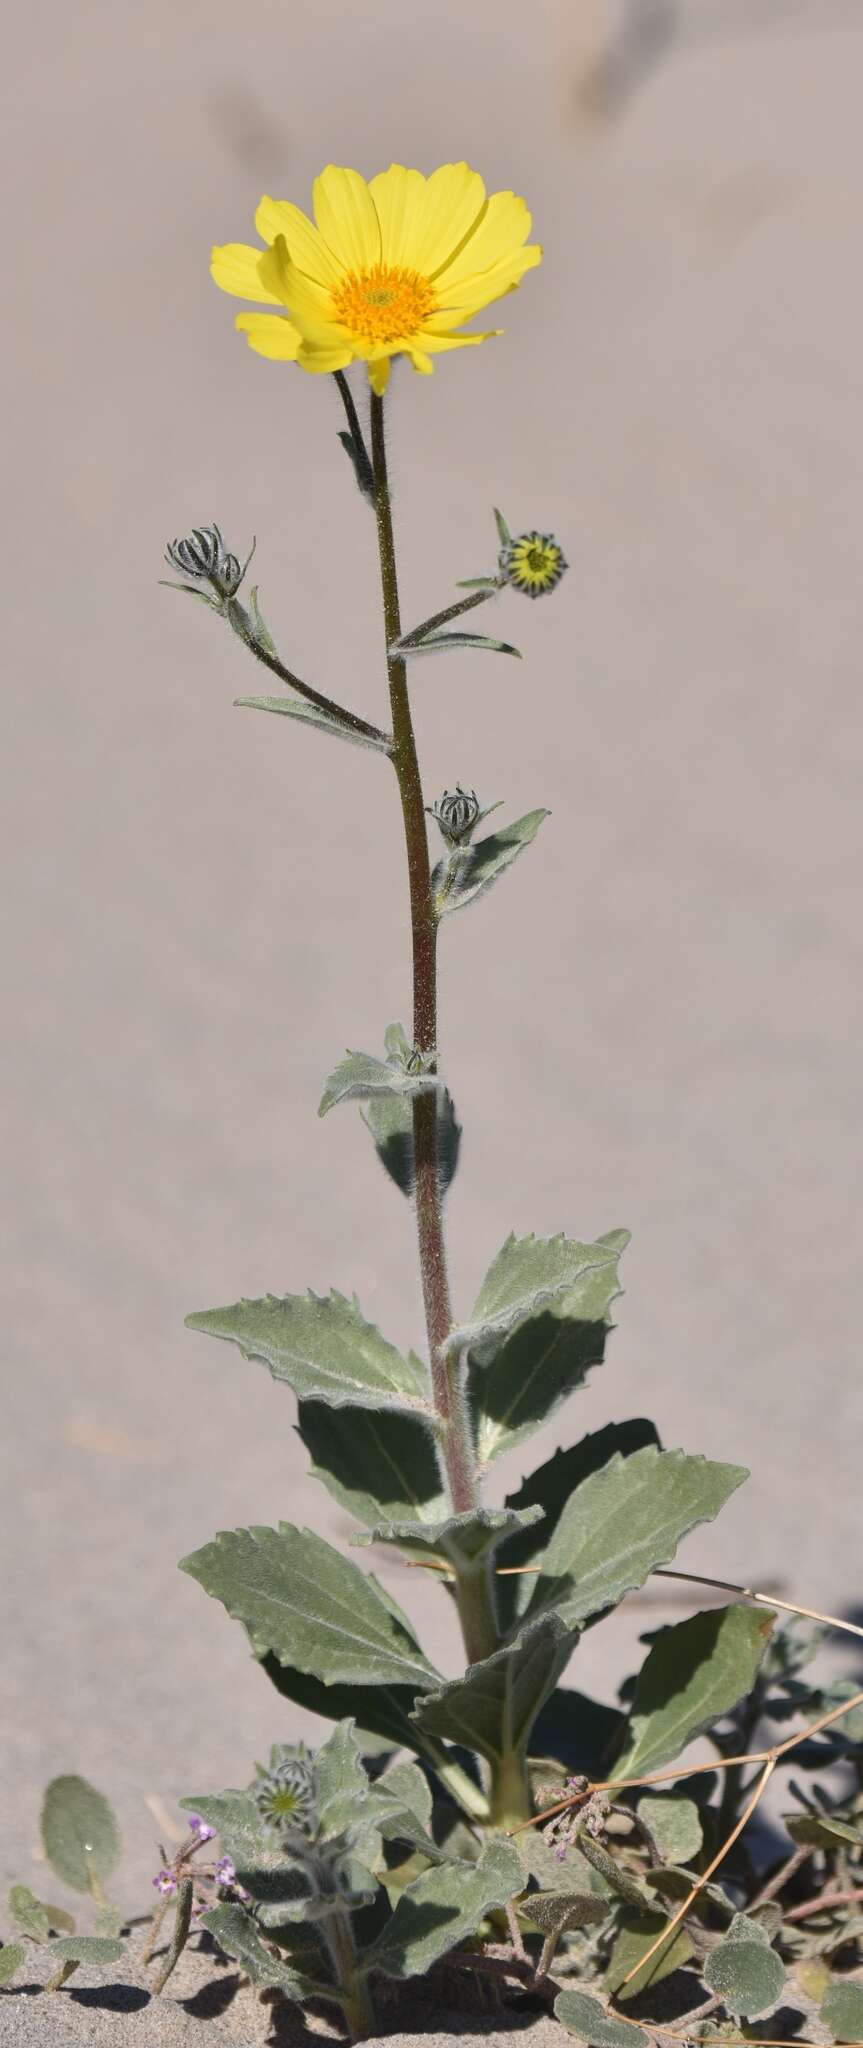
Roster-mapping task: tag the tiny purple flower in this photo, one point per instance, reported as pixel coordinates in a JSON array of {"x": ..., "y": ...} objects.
[
  {"x": 560, "y": 1853},
  {"x": 225, "y": 1872},
  {"x": 165, "y": 1882},
  {"x": 200, "y": 1827}
]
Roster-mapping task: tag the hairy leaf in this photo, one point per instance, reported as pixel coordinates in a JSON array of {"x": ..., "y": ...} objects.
[
  {"x": 693, "y": 1674},
  {"x": 35, "y": 1919},
  {"x": 550, "y": 1487},
  {"x": 237, "y": 1934},
  {"x": 311, "y": 714},
  {"x": 312, "y": 1608},
  {"x": 541, "y": 1363},
  {"x": 79, "y": 1833},
  {"x": 528, "y": 1275},
  {"x": 493, "y": 1708},
  {"x": 638, "y": 1932},
  {"x": 674, "y": 1826},
  {"x": 13, "y": 1953},
  {"x": 613, "y": 1873},
  {"x": 621, "y": 1523},
  {"x": 560, "y": 1912},
  {"x": 442, "y": 1908},
  {"x": 462, "y": 1540},
  {"x": 86, "y": 1948},
  {"x": 374, "y": 1462},
  {"x": 822, "y": 1831},
  {"x": 841, "y": 2010},
  {"x": 590, "y": 2023},
  {"x": 390, "y": 1120},
  {"x": 467, "y": 872},
  {"x": 361, "y": 1077},
  {"x": 321, "y": 1346},
  {"x": 440, "y": 643},
  {"x": 744, "y": 1971},
  {"x": 343, "y": 1788}
]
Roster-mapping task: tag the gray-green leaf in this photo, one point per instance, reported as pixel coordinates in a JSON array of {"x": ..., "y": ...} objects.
[
  {"x": 390, "y": 1119},
  {"x": 311, "y": 714},
  {"x": 526, "y": 1277},
  {"x": 361, "y": 1077},
  {"x": 232, "y": 1928},
  {"x": 343, "y": 1788},
  {"x": 13, "y": 1953},
  {"x": 467, "y": 872},
  {"x": 673, "y": 1825},
  {"x": 79, "y": 1833},
  {"x": 310, "y": 1607},
  {"x": 638, "y": 1932},
  {"x": 542, "y": 1361},
  {"x": 442, "y": 1908},
  {"x": 493, "y": 1708},
  {"x": 841, "y": 2010},
  {"x": 374, "y": 1462},
  {"x": 463, "y": 1540},
  {"x": 551, "y": 1486},
  {"x": 590, "y": 2023},
  {"x": 744, "y": 1971},
  {"x": 323, "y": 1348},
  {"x": 623, "y": 1522},
  {"x": 693, "y": 1674},
  {"x": 37, "y": 1919},
  {"x": 561, "y": 1912},
  {"x": 822, "y": 1831},
  {"x": 441, "y": 643}
]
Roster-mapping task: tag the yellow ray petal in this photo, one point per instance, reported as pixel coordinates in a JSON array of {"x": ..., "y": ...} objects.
[
  {"x": 379, "y": 375},
  {"x": 435, "y": 344},
  {"x": 306, "y": 247},
  {"x": 505, "y": 225},
  {"x": 398, "y": 197},
  {"x": 451, "y": 206},
  {"x": 321, "y": 361},
  {"x": 422, "y": 362},
  {"x": 270, "y": 335},
  {"x": 345, "y": 214},
  {"x": 234, "y": 267},
  {"x": 311, "y": 303},
  {"x": 467, "y": 296}
]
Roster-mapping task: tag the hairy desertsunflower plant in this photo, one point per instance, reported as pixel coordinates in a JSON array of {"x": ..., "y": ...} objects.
[{"x": 390, "y": 268}]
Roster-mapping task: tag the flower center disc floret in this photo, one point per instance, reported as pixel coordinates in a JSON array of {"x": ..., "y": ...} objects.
[{"x": 383, "y": 303}]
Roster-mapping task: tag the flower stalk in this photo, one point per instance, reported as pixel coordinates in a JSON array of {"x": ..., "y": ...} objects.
[{"x": 474, "y": 1589}]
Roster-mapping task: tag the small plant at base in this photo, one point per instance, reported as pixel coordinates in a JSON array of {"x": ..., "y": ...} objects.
[{"x": 351, "y": 1875}]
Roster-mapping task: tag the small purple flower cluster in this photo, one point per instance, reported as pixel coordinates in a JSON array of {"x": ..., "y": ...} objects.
[
  {"x": 211, "y": 1882},
  {"x": 579, "y": 1808}
]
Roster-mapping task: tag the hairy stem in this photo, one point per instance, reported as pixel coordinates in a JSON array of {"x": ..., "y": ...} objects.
[
  {"x": 474, "y": 1591},
  {"x": 354, "y": 1996}
]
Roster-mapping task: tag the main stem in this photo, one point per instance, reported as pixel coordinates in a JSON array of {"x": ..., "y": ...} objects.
[{"x": 474, "y": 1588}]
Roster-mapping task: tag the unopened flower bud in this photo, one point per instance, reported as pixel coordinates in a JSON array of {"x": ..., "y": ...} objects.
[
  {"x": 203, "y": 556},
  {"x": 456, "y": 813},
  {"x": 532, "y": 563}
]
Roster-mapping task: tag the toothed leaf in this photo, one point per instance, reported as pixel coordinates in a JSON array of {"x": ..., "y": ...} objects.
[
  {"x": 492, "y": 1709},
  {"x": 442, "y": 1908},
  {"x": 621, "y": 1523},
  {"x": 323, "y": 1348},
  {"x": 311, "y": 1608},
  {"x": 693, "y": 1674}
]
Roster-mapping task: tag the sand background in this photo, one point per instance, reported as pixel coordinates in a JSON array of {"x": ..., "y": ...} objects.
[{"x": 654, "y": 1023}]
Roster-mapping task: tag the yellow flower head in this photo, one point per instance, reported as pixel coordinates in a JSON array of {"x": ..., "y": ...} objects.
[
  {"x": 390, "y": 268},
  {"x": 533, "y": 563}
]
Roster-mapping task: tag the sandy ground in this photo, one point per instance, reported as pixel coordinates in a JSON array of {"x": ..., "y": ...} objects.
[{"x": 655, "y": 1022}]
